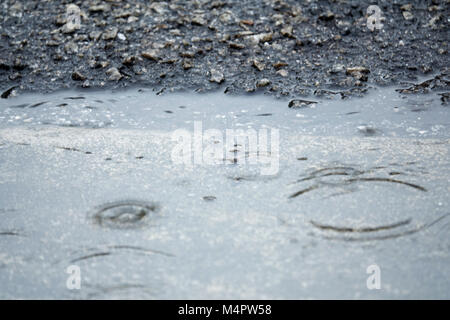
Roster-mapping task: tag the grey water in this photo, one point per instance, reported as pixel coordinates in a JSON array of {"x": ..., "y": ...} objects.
[{"x": 87, "y": 179}]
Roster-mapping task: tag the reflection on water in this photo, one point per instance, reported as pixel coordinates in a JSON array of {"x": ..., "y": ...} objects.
[{"x": 382, "y": 112}]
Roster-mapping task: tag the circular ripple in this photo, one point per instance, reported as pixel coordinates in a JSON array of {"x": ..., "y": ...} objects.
[{"x": 127, "y": 214}]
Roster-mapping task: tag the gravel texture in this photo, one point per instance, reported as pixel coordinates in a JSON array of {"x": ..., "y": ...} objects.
[{"x": 285, "y": 48}]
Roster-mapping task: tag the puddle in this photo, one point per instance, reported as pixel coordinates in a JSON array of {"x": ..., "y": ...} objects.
[{"x": 356, "y": 182}]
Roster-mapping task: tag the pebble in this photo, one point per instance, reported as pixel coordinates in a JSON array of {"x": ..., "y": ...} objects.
[
  {"x": 216, "y": 76},
  {"x": 121, "y": 37},
  {"x": 258, "y": 65},
  {"x": 263, "y": 83},
  {"x": 287, "y": 32},
  {"x": 99, "y": 8},
  {"x": 327, "y": 16},
  {"x": 113, "y": 74},
  {"x": 77, "y": 76},
  {"x": 110, "y": 34},
  {"x": 73, "y": 19},
  {"x": 199, "y": 20},
  {"x": 95, "y": 35},
  {"x": 279, "y": 64},
  {"x": 71, "y": 47},
  {"x": 359, "y": 73},
  {"x": 298, "y": 103},
  {"x": 260, "y": 38},
  {"x": 151, "y": 54},
  {"x": 188, "y": 64},
  {"x": 283, "y": 72},
  {"x": 407, "y": 15},
  {"x": 337, "y": 68},
  {"x": 236, "y": 45},
  {"x": 129, "y": 61}
]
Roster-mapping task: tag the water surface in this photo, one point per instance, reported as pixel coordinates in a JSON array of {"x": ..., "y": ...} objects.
[{"x": 87, "y": 179}]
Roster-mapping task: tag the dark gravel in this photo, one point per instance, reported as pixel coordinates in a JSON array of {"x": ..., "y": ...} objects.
[{"x": 286, "y": 48}]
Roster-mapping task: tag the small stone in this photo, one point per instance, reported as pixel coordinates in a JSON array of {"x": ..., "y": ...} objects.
[
  {"x": 432, "y": 22},
  {"x": 132, "y": 19},
  {"x": 327, "y": 16},
  {"x": 187, "y": 54},
  {"x": 121, "y": 37},
  {"x": 407, "y": 15},
  {"x": 151, "y": 54},
  {"x": 77, "y": 76},
  {"x": 110, "y": 34},
  {"x": 69, "y": 28},
  {"x": 188, "y": 64},
  {"x": 101, "y": 64},
  {"x": 263, "y": 83},
  {"x": 337, "y": 68},
  {"x": 159, "y": 7},
  {"x": 247, "y": 22},
  {"x": 235, "y": 45},
  {"x": 258, "y": 65},
  {"x": 278, "y": 19},
  {"x": 226, "y": 17},
  {"x": 287, "y": 32},
  {"x": 298, "y": 103},
  {"x": 95, "y": 35},
  {"x": 260, "y": 38},
  {"x": 175, "y": 32},
  {"x": 52, "y": 43},
  {"x": 73, "y": 19},
  {"x": 216, "y": 76},
  {"x": 199, "y": 20},
  {"x": 277, "y": 46},
  {"x": 129, "y": 61},
  {"x": 279, "y": 64},
  {"x": 359, "y": 73},
  {"x": 71, "y": 47},
  {"x": 122, "y": 14},
  {"x": 113, "y": 74},
  {"x": 351, "y": 70},
  {"x": 282, "y": 73},
  {"x": 434, "y": 8},
  {"x": 99, "y": 8}
]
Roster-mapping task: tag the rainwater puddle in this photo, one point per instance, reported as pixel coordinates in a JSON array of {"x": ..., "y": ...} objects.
[{"x": 92, "y": 179}]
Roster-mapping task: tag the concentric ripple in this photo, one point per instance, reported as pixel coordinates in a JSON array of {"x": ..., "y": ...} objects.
[{"x": 126, "y": 214}]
